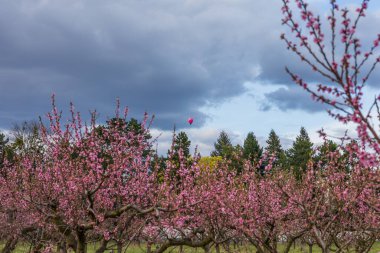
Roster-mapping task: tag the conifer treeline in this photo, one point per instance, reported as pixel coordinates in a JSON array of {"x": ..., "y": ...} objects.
[{"x": 295, "y": 158}]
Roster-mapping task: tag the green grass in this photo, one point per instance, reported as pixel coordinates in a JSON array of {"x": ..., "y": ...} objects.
[
  {"x": 21, "y": 248},
  {"x": 136, "y": 248}
]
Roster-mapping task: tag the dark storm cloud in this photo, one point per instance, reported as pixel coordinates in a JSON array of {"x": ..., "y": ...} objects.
[{"x": 166, "y": 57}]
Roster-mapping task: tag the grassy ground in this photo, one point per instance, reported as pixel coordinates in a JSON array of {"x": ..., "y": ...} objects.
[{"x": 135, "y": 248}]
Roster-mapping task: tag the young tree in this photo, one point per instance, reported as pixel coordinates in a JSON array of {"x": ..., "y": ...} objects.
[
  {"x": 300, "y": 153},
  {"x": 344, "y": 64}
]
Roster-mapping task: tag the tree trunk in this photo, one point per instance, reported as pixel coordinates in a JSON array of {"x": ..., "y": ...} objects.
[
  {"x": 227, "y": 247},
  {"x": 149, "y": 247},
  {"x": 326, "y": 250},
  {"x": 61, "y": 247},
  {"x": 310, "y": 248},
  {"x": 81, "y": 241},
  {"x": 206, "y": 248},
  {"x": 181, "y": 249},
  {"x": 119, "y": 247},
  {"x": 102, "y": 247},
  {"x": 217, "y": 248},
  {"x": 37, "y": 248}
]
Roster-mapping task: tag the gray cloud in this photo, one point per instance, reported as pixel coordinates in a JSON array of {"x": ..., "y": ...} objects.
[
  {"x": 167, "y": 57},
  {"x": 292, "y": 98},
  {"x": 276, "y": 57}
]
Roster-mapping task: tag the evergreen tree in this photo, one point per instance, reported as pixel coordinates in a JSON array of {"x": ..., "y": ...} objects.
[
  {"x": 300, "y": 153},
  {"x": 135, "y": 127},
  {"x": 235, "y": 158},
  {"x": 223, "y": 146},
  {"x": 182, "y": 142},
  {"x": 238, "y": 149},
  {"x": 3, "y": 142},
  {"x": 251, "y": 148},
  {"x": 322, "y": 157},
  {"x": 274, "y": 148},
  {"x": 348, "y": 159}
]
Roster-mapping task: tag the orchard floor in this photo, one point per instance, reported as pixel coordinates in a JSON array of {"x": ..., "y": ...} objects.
[{"x": 135, "y": 248}]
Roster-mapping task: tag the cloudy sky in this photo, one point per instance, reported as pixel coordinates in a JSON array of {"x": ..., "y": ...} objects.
[{"x": 219, "y": 61}]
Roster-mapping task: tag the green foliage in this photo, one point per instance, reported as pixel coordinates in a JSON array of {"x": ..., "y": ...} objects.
[
  {"x": 132, "y": 126},
  {"x": 142, "y": 248},
  {"x": 329, "y": 153},
  {"x": 26, "y": 138},
  {"x": 233, "y": 154},
  {"x": 178, "y": 155},
  {"x": 237, "y": 162},
  {"x": 223, "y": 146},
  {"x": 182, "y": 142},
  {"x": 274, "y": 148},
  {"x": 300, "y": 154},
  {"x": 273, "y": 144},
  {"x": 322, "y": 156},
  {"x": 3, "y": 140},
  {"x": 159, "y": 165},
  {"x": 122, "y": 126},
  {"x": 3, "y": 148},
  {"x": 251, "y": 148}
]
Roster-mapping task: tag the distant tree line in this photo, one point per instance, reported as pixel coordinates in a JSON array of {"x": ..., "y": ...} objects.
[
  {"x": 25, "y": 138},
  {"x": 295, "y": 159}
]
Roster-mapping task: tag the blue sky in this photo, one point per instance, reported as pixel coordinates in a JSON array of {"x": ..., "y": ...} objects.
[{"x": 219, "y": 61}]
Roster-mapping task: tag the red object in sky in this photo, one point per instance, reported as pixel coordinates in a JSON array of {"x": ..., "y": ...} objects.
[{"x": 190, "y": 120}]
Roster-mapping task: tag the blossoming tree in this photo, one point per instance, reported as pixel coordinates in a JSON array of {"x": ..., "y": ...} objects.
[{"x": 89, "y": 180}]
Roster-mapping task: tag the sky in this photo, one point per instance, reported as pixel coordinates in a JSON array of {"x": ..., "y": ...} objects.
[{"x": 219, "y": 61}]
